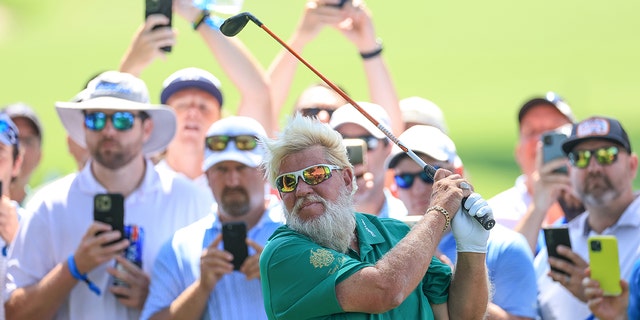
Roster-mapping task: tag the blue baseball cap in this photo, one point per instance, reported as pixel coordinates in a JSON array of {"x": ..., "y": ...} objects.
[
  {"x": 191, "y": 78},
  {"x": 8, "y": 131}
]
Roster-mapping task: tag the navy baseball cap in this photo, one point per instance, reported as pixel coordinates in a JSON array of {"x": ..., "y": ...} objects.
[
  {"x": 550, "y": 99},
  {"x": 191, "y": 78},
  {"x": 597, "y": 128}
]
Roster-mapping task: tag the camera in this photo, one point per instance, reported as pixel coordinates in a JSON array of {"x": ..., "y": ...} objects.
[
  {"x": 102, "y": 203},
  {"x": 596, "y": 246},
  {"x": 356, "y": 150}
]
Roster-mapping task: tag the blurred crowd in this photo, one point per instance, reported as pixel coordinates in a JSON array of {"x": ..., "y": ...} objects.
[{"x": 176, "y": 212}]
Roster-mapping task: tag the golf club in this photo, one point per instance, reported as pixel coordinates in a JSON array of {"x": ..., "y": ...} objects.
[{"x": 233, "y": 25}]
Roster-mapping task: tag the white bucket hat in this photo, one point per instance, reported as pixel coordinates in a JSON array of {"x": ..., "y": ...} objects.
[{"x": 113, "y": 90}]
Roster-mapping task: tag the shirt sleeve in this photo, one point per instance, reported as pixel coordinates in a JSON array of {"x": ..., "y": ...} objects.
[
  {"x": 436, "y": 282},
  {"x": 166, "y": 282},
  {"x": 291, "y": 296}
]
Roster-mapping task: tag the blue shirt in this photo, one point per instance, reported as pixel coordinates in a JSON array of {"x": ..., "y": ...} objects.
[
  {"x": 178, "y": 266},
  {"x": 510, "y": 266},
  {"x": 634, "y": 293}
]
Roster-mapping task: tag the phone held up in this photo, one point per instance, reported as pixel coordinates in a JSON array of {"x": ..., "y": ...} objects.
[
  {"x": 552, "y": 148},
  {"x": 109, "y": 208},
  {"x": 163, "y": 7},
  {"x": 553, "y": 238},
  {"x": 356, "y": 150},
  {"x": 234, "y": 235},
  {"x": 604, "y": 263}
]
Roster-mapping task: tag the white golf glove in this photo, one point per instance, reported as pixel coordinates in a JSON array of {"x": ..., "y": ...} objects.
[{"x": 469, "y": 234}]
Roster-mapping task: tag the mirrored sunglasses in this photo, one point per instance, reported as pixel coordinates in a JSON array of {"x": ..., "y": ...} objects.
[
  {"x": 405, "y": 180},
  {"x": 121, "y": 120},
  {"x": 243, "y": 142},
  {"x": 312, "y": 175},
  {"x": 604, "y": 156}
]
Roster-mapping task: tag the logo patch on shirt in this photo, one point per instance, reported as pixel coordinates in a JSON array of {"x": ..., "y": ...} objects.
[{"x": 321, "y": 258}]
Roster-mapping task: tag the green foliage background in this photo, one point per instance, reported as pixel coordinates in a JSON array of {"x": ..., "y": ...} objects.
[{"x": 479, "y": 61}]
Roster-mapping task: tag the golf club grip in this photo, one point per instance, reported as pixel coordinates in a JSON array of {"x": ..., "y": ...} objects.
[{"x": 487, "y": 222}]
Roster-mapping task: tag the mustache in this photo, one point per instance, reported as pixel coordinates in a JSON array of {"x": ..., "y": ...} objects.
[
  {"x": 310, "y": 198},
  {"x": 226, "y": 191}
]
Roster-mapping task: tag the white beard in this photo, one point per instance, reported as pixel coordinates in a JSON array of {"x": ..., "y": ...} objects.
[{"x": 334, "y": 229}]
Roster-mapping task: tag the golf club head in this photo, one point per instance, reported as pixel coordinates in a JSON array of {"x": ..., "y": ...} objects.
[{"x": 233, "y": 25}]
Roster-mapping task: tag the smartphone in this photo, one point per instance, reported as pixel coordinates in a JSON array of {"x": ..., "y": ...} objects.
[
  {"x": 552, "y": 148},
  {"x": 234, "y": 235},
  {"x": 604, "y": 263},
  {"x": 163, "y": 7},
  {"x": 554, "y": 237},
  {"x": 109, "y": 208},
  {"x": 356, "y": 150}
]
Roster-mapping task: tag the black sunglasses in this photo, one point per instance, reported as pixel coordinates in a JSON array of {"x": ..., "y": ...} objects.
[
  {"x": 313, "y": 112},
  {"x": 405, "y": 180}
]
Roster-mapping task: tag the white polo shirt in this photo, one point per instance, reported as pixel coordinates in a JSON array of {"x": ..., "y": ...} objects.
[
  {"x": 556, "y": 302},
  {"x": 61, "y": 212}
]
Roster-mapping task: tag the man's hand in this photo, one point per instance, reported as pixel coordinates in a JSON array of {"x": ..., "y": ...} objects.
[
  {"x": 609, "y": 307},
  {"x": 134, "y": 293},
  {"x": 214, "y": 264},
  {"x": 8, "y": 220},
  {"x": 93, "y": 250},
  {"x": 251, "y": 266},
  {"x": 575, "y": 271},
  {"x": 469, "y": 234},
  {"x": 146, "y": 44}
]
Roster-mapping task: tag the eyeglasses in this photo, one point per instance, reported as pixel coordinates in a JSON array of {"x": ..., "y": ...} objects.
[
  {"x": 312, "y": 175},
  {"x": 405, "y": 180},
  {"x": 604, "y": 156},
  {"x": 243, "y": 142},
  {"x": 371, "y": 141},
  {"x": 121, "y": 120},
  {"x": 313, "y": 112},
  {"x": 9, "y": 131}
]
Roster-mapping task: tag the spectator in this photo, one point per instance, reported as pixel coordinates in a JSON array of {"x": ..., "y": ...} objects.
[
  {"x": 31, "y": 141},
  {"x": 195, "y": 94},
  {"x": 193, "y": 276},
  {"x": 509, "y": 260},
  {"x": 602, "y": 170},
  {"x": 372, "y": 195},
  {"x": 354, "y": 21},
  {"x": 61, "y": 257},
  {"x": 354, "y": 265},
  {"x": 10, "y": 210},
  {"x": 420, "y": 111}
]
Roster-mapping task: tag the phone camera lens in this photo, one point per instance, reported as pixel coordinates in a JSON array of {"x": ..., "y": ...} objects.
[
  {"x": 547, "y": 140},
  {"x": 596, "y": 246}
]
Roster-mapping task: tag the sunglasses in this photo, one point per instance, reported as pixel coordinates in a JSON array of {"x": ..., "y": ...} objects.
[
  {"x": 243, "y": 142},
  {"x": 604, "y": 156},
  {"x": 121, "y": 120},
  {"x": 405, "y": 180},
  {"x": 313, "y": 112},
  {"x": 312, "y": 175}
]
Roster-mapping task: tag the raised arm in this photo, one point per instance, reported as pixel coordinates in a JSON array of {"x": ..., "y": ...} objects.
[
  {"x": 362, "y": 34},
  {"x": 238, "y": 64},
  {"x": 145, "y": 45}
]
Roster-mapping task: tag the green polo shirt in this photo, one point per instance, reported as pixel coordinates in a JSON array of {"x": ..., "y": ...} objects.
[{"x": 299, "y": 277}]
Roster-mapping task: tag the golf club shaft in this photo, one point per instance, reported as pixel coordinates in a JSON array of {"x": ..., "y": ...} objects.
[{"x": 486, "y": 221}]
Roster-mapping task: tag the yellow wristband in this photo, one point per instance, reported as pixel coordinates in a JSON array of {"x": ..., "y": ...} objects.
[{"x": 444, "y": 212}]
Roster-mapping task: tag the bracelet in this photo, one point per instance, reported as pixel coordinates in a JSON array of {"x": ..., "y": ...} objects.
[
  {"x": 446, "y": 214},
  {"x": 201, "y": 18},
  {"x": 371, "y": 54},
  {"x": 73, "y": 269}
]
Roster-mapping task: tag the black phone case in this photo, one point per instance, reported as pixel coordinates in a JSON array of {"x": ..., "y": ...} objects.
[
  {"x": 109, "y": 208},
  {"x": 234, "y": 236},
  {"x": 163, "y": 7},
  {"x": 554, "y": 237}
]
